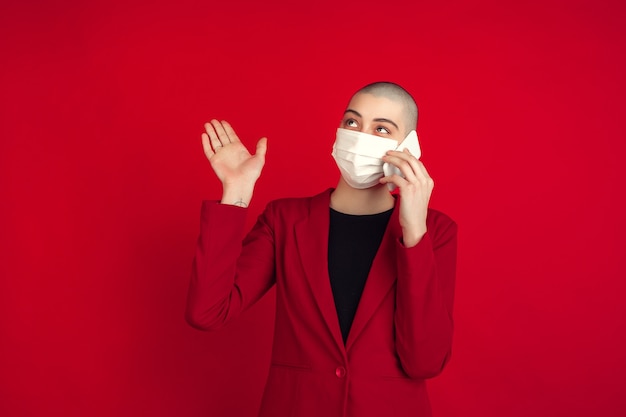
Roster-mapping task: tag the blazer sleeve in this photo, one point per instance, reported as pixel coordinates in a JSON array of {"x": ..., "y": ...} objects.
[
  {"x": 424, "y": 299},
  {"x": 229, "y": 272}
]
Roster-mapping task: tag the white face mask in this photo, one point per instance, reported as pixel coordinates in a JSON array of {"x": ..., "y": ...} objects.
[{"x": 359, "y": 156}]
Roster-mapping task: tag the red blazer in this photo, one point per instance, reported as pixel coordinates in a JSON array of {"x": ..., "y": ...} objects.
[{"x": 402, "y": 331}]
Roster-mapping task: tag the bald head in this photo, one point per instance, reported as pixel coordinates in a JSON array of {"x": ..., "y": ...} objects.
[{"x": 397, "y": 94}]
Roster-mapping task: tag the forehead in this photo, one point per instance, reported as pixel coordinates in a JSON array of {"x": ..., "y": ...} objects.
[{"x": 375, "y": 107}]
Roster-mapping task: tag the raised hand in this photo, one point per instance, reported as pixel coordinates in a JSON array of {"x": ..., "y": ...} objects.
[
  {"x": 235, "y": 167},
  {"x": 415, "y": 190}
]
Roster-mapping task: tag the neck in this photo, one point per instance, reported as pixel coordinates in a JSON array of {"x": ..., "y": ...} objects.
[{"x": 348, "y": 200}]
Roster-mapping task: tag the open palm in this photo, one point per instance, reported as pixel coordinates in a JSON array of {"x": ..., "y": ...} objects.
[{"x": 229, "y": 158}]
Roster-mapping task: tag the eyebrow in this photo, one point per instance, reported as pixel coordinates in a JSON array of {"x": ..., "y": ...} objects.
[{"x": 376, "y": 120}]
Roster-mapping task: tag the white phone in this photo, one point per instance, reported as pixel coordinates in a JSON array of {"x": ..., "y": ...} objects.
[{"x": 411, "y": 143}]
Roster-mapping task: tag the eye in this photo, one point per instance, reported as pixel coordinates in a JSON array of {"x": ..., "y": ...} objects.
[
  {"x": 382, "y": 129},
  {"x": 351, "y": 123}
]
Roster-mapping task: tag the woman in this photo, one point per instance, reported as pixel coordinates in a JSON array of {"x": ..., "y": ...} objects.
[{"x": 364, "y": 278}]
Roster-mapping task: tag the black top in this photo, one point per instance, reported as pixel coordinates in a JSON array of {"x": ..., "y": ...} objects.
[{"x": 353, "y": 241}]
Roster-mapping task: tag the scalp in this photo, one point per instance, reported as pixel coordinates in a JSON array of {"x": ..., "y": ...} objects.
[{"x": 394, "y": 92}]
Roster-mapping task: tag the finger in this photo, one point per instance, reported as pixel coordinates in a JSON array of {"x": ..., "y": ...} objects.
[
  {"x": 417, "y": 166},
  {"x": 213, "y": 139},
  {"x": 404, "y": 164},
  {"x": 405, "y": 154},
  {"x": 232, "y": 136},
  {"x": 206, "y": 145},
  {"x": 261, "y": 147},
  {"x": 423, "y": 176},
  {"x": 423, "y": 170},
  {"x": 221, "y": 133},
  {"x": 396, "y": 179},
  {"x": 401, "y": 154}
]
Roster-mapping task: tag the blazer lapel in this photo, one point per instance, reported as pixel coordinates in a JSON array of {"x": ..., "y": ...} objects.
[
  {"x": 381, "y": 278},
  {"x": 312, "y": 242}
]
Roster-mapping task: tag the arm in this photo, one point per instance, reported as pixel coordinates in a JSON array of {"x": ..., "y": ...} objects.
[
  {"x": 426, "y": 272},
  {"x": 424, "y": 300},
  {"x": 228, "y": 277}
]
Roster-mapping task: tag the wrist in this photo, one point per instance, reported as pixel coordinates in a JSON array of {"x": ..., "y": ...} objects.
[
  {"x": 411, "y": 238},
  {"x": 237, "y": 196},
  {"x": 238, "y": 203}
]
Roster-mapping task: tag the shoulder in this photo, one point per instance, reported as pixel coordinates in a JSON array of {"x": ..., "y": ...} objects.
[
  {"x": 289, "y": 206},
  {"x": 288, "y": 203},
  {"x": 439, "y": 217},
  {"x": 292, "y": 207},
  {"x": 440, "y": 226}
]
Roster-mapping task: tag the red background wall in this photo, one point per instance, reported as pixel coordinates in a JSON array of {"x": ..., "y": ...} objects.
[{"x": 102, "y": 173}]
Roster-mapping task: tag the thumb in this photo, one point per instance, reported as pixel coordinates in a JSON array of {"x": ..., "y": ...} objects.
[{"x": 261, "y": 147}]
